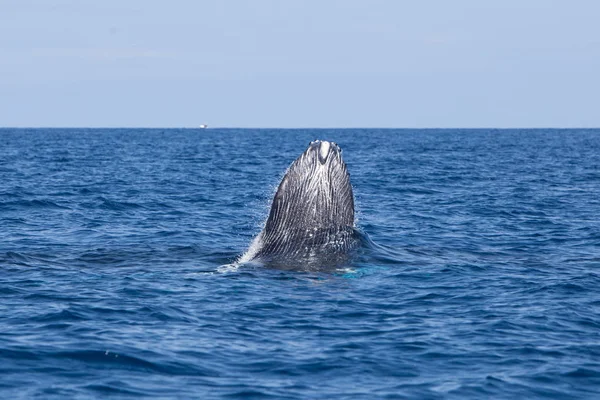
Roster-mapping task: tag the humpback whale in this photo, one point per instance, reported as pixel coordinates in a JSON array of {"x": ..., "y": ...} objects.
[{"x": 311, "y": 221}]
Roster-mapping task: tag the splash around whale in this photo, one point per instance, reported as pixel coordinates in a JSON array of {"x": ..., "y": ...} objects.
[{"x": 311, "y": 221}]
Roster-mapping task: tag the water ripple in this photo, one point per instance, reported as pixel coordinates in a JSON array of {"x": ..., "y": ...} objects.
[{"x": 477, "y": 277}]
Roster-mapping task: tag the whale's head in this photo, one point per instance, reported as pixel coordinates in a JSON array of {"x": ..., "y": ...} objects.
[
  {"x": 315, "y": 191},
  {"x": 313, "y": 208}
]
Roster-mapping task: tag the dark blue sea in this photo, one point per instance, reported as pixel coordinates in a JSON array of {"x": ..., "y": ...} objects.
[{"x": 480, "y": 277}]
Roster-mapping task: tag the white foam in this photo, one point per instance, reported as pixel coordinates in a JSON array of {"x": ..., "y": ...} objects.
[
  {"x": 251, "y": 252},
  {"x": 223, "y": 269}
]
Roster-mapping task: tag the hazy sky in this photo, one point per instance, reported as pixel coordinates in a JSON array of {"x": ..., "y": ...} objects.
[{"x": 300, "y": 63}]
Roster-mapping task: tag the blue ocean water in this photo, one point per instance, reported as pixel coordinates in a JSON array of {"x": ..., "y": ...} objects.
[{"x": 117, "y": 251}]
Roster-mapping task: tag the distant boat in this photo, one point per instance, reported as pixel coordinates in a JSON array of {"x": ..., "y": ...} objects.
[{"x": 203, "y": 126}]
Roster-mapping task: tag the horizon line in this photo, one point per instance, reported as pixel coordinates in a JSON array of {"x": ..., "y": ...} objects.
[{"x": 304, "y": 128}]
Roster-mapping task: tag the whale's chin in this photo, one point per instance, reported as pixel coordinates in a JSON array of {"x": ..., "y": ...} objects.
[{"x": 311, "y": 221}]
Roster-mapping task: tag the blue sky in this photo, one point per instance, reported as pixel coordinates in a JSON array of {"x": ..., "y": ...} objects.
[{"x": 300, "y": 63}]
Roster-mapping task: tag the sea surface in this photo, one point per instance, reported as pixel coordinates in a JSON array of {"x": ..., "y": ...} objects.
[{"x": 118, "y": 273}]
